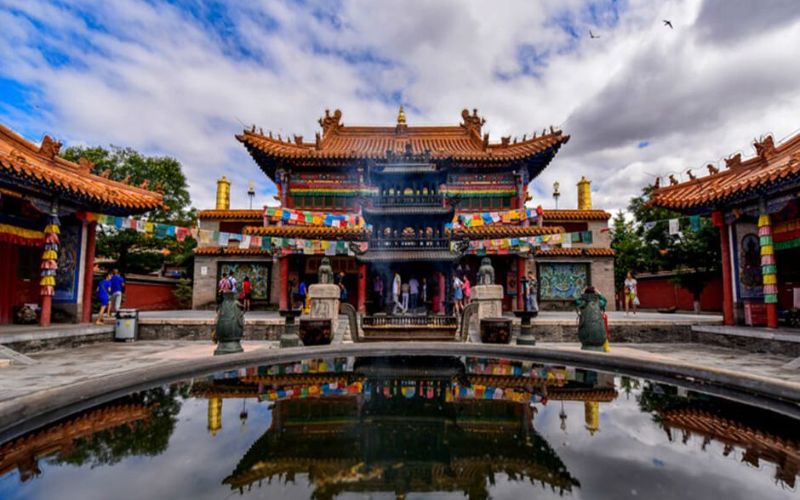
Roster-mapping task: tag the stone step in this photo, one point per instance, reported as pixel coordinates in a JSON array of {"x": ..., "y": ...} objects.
[{"x": 13, "y": 357}]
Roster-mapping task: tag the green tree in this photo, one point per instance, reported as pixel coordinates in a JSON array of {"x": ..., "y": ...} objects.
[
  {"x": 693, "y": 254},
  {"x": 627, "y": 249},
  {"x": 135, "y": 252},
  {"x": 147, "y": 437}
]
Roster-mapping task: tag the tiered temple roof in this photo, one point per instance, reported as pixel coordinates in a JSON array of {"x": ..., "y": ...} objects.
[
  {"x": 463, "y": 143},
  {"x": 571, "y": 214},
  {"x": 37, "y": 169},
  {"x": 255, "y": 214},
  {"x": 309, "y": 232},
  {"x": 771, "y": 168},
  {"x": 505, "y": 231},
  {"x": 574, "y": 252}
]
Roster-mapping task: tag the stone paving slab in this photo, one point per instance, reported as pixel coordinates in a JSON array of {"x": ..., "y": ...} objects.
[{"x": 63, "y": 367}]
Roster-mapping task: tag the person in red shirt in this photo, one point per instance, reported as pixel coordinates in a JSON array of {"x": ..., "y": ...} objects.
[{"x": 247, "y": 293}]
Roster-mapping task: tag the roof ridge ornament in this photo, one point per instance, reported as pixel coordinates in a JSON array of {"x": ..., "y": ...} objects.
[
  {"x": 712, "y": 169},
  {"x": 331, "y": 123},
  {"x": 49, "y": 147},
  {"x": 472, "y": 123},
  {"x": 401, "y": 116},
  {"x": 734, "y": 161},
  {"x": 765, "y": 148},
  {"x": 85, "y": 164}
]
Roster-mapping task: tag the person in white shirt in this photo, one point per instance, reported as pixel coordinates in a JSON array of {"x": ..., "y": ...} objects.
[
  {"x": 396, "y": 284},
  {"x": 458, "y": 295},
  {"x": 631, "y": 293},
  {"x": 233, "y": 282}
]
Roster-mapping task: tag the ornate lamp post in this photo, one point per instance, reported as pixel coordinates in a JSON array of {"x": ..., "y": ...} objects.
[
  {"x": 556, "y": 192},
  {"x": 251, "y": 192}
]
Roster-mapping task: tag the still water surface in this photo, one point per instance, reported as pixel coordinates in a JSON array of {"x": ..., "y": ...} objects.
[{"x": 416, "y": 427}]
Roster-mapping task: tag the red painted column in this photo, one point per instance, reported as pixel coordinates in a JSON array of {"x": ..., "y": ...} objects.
[
  {"x": 727, "y": 284},
  {"x": 520, "y": 277},
  {"x": 362, "y": 288},
  {"x": 47, "y": 306},
  {"x": 88, "y": 273},
  {"x": 283, "y": 270}
]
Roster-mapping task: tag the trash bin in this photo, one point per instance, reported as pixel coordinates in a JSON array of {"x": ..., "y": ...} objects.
[{"x": 127, "y": 326}]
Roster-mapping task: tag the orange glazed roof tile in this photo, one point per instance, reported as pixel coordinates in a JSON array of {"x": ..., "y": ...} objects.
[
  {"x": 770, "y": 168},
  {"x": 308, "y": 232},
  {"x": 572, "y": 214},
  {"x": 575, "y": 252},
  {"x": 232, "y": 214},
  {"x": 501, "y": 231},
  {"x": 42, "y": 169},
  {"x": 460, "y": 142},
  {"x": 229, "y": 251}
]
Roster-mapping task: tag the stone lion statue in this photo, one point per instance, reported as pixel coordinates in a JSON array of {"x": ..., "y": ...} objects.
[
  {"x": 486, "y": 272},
  {"x": 325, "y": 272}
]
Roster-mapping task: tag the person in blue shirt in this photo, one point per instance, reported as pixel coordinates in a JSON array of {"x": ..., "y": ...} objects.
[
  {"x": 117, "y": 287},
  {"x": 103, "y": 296}
]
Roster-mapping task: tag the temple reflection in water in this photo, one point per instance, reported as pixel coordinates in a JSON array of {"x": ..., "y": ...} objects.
[{"x": 406, "y": 425}]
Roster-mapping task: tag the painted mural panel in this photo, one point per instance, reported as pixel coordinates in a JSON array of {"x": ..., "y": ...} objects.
[
  {"x": 69, "y": 258},
  {"x": 258, "y": 272},
  {"x": 750, "y": 283},
  {"x": 562, "y": 281}
]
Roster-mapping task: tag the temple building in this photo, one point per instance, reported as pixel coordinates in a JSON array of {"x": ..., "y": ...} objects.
[
  {"x": 754, "y": 204},
  {"x": 426, "y": 202},
  {"x": 47, "y": 239}
]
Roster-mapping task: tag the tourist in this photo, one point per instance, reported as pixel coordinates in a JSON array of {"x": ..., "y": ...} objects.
[
  {"x": 342, "y": 290},
  {"x": 530, "y": 293},
  {"x": 631, "y": 293},
  {"x": 233, "y": 282},
  {"x": 458, "y": 294},
  {"x": 404, "y": 290},
  {"x": 104, "y": 295},
  {"x": 413, "y": 289},
  {"x": 396, "y": 285},
  {"x": 467, "y": 290},
  {"x": 117, "y": 287},
  {"x": 301, "y": 294},
  {"x": 247, "y": 293},
  {"x": 377, "y": 292}
]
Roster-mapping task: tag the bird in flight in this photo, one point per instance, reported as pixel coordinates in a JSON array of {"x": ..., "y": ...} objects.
[
  {"x": 667, "y": 22},
  {"x": 592, "y": 35}
]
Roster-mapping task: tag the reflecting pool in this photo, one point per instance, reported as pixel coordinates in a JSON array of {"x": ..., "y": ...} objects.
[{"x": 416, "y": 427}]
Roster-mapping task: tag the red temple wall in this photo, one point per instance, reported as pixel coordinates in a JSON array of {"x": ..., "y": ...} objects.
[
  {"x": 146, "y": 293},
  {"x": 658, "y": 292}
]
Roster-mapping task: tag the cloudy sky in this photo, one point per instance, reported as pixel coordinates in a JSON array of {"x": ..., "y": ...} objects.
[{"x": 181, "y": 77}]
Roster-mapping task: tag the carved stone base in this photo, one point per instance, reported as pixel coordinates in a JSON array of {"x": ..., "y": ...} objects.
[
  {"x": 490, "y": 302},
  {"x": 230, "y": 347},
  {"x": 324, "y": 302}
]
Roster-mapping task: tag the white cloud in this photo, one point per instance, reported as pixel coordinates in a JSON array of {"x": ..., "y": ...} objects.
[{"x": 160, "y": 79}]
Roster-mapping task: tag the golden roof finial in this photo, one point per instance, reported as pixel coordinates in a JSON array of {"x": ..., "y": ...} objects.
[{"x": 401, "y": 116}]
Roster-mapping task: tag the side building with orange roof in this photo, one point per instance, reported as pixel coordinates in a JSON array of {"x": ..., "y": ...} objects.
[
  {"x": 424, "y": 202},
  {"x": 47, "y": 230},
  {"x": 754, "y": 203}
]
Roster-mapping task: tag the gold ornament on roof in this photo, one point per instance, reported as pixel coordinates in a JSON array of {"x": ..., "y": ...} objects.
[{"x": 401, "y": 116}]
